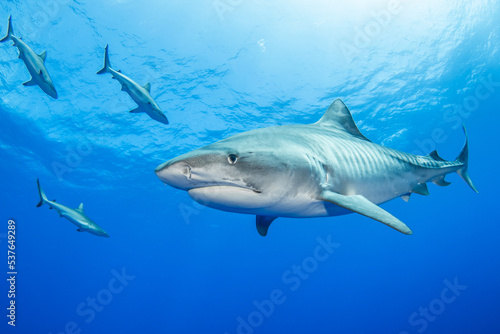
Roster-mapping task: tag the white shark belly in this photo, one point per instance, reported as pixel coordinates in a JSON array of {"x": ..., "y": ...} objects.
[
  {"x": 241, "y": 200},
  {"x": 381, "y": 189}
]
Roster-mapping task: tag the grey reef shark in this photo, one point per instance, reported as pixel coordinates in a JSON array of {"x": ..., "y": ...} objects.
[
  {"x": 140, "y": 94},
  {"x": 327, "y": 168},
  {"x": 76, "y": 216},
  {"x": 35, "y": 63}
]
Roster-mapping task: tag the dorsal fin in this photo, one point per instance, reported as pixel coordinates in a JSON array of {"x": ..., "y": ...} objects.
[
  {"x": 434, "y": 155},
  {"x": 43, "y": 55},
  {"x": 147, "y": 87},
  {"x": 80, "y": 208},
  {"x": 339, "y": 117}
]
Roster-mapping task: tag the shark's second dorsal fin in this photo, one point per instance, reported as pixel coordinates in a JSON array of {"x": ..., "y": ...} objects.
[
  {"x": 43, "y": 55},
  {"x": 80, "y": 208},
  {"x": 339, "y": 117},
  {"x": 434, "y": 155}
]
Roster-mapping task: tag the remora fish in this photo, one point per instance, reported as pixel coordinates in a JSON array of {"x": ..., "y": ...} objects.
[
  {"x": 35, "y": 63},
  {"x": 327, "y": 168},
  {"x": 76, "y": 216},
  {"x": 140, "y": 94}
]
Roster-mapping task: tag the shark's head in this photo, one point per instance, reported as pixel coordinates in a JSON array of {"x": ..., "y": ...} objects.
[
  {"x": 96, "y": 230},
  {"x": 243, "y": 173},
  {"x": 158, "y": 114},
  {"x": 47, "y": 85},
  {"x": 91, "y": 227}
]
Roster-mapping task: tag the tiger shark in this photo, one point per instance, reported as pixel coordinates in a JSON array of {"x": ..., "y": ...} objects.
[
  {"x": 327, "y": 168},
  {"x": 35, "y": 63},
  {"x": 76, "y": 216},
  {"x": 140, "y": 94}
]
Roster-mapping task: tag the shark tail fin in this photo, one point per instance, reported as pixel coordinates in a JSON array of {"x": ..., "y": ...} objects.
[
  {"x": 9, "y": 30},
  {"x": 107, "y": 65},
  {"x": 463, "y": 158},
  {"x": 43, "y": 198}
]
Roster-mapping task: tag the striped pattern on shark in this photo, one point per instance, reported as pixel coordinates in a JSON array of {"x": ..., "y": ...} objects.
[{"x": 328, "y": 168}]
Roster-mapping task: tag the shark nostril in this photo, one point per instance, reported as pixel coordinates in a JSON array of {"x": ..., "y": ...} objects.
[{"x": 187, "y": 171}]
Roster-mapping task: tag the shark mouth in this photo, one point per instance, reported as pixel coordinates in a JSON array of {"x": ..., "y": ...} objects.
[
  {"x": 229, "y": 197},
  {"x": 227, "y": 185}
]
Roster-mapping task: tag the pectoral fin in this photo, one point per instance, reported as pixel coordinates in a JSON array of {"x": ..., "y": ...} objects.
[
  {"x": 136, "y": 110},
  {"x": 263, "y": 223},
  {"x": 31, "y": 82},
  {"x": 361, "y": 205}
]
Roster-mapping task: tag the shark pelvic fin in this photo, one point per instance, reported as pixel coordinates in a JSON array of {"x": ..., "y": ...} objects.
[
  {"x": 421, "y": 189},
  {"x": 262, "y": 223},
  {"x": 31, "y": 82},
  {"x": 80, "y": 230},
  {"x": 339, "y": 117},
  {"x": 43, "y": 55},
  {"x": 361, "y": 205},
  {"x": 406, "y": 197}
]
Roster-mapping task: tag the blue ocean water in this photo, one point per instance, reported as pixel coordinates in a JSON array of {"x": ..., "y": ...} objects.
[{"x": 410, "y": 71}]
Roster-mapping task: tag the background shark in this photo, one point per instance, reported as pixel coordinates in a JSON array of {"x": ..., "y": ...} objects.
[
  {"x": 35, "y": 63},
  {"x": 323, "y": 169},
  {"x": 76, "y": 216},
  {"x": 140, "y": 94}
]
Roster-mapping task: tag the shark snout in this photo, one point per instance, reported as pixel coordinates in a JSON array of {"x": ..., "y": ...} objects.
[
  {"x": 101, "y": 233},
  {"x": 49, "y": 89},
  {"x": 176, "y": 174}
]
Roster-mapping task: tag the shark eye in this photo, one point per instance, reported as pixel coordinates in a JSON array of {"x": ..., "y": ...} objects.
[{"x": 232, "y": 159}]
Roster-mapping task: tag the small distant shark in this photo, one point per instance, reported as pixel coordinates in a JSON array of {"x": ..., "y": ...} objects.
[
  {"x": 76, "y": 216},
  {"x": 140, "y": 94},
  {"x": 35, "y": 63},
  {"x": 327, "y": 168}
]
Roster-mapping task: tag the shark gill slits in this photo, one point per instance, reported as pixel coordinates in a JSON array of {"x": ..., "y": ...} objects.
[
  {"x": 232, "y": 159},
  {"x": 326, "y": 172}
]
